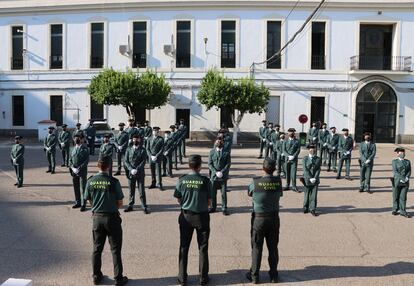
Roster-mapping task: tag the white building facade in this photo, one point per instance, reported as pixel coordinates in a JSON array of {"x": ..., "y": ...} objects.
[{"x": 350, "y": 66}]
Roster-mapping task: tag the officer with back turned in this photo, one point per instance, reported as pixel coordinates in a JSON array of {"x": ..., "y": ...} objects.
[
  {"x": 266, "y": 192},
  {"x": 17, "y": 160},
  {"x": 64, "y": 144},
  {"x": 193, "y": 192},
  {"x": 105, "y": 195}
]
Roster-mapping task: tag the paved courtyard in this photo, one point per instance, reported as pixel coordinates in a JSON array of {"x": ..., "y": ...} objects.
[{"x": 355, "y": 240}]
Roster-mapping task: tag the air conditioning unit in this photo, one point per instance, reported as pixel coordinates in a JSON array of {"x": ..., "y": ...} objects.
[
  {"x": 124, "y": 50},
  {"x": 169, "y": 50}
]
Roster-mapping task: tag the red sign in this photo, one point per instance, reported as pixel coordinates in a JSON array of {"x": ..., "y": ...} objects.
[{"x": 303, "y": 118}]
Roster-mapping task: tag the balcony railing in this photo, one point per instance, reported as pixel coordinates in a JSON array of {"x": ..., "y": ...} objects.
[
  {"x": 387, "y": 63},
  {"x": 17, "y": 63},
  {"x": 318, "y": 62},
  {"x": 56, "y": 62}
]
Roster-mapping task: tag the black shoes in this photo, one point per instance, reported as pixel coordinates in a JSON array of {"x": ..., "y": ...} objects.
[
  {"x": 52, "y": 172},
  {"x": 83, "y": 208},
  {"x": 212, "y": 210},
  {"x": 204, "y": 281},
  {"x": 251, "y": 279},
  {"x": 338, "y": 177},
  {"x": 117, "y": 173},
  {"x": 97, "y": 279},
  {"x": 361, "y": 190},
  {"x": 128, "y": 209},
  {"x": 295, "y": 190},
  {"x": 348, "y": 178},
  {"x": 405, "y": 215},
  {"x": 160, "y": 187},
  {"x": 76, "y": 206},
  {"x": 152, "y": 186},
  {"x": 394, "y": 213},
  {"x": 122, "y": 281},
  {"x": 19, "y": 185},
  {"x": 225, "y": 212},
  {"x": 145, "y": 210},
  {"x": 48, "y": 171},
  {"x": 260, "y": 157},
  {"x": 274, "y": 279},
  {"x": 16, "y": 184},
  {"x": 305, "y": 210},
  {"x": 314, "y": 213},
  {"x": 63, "y": 165},
  {"x": 182, "y": 283},
  {"x": 287, "y": 188}
]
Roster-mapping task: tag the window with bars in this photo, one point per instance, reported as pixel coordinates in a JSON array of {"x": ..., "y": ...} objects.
[
  {"x": 56, "y": 46},
  {"x": 273, "y": 43},
  {"x": 183, "y": 56},
  {"x": 139, "y": 49},
  {"x": 97, "y": 45},
  {"x": 228, "y": 44},
  {"x": 17, "y": 48}
]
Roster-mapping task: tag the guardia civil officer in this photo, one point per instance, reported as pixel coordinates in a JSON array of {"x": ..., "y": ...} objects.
[
  {"x": 193, "y": 192},
  {"x": 269, "y": 143},
  {"x": 121, "y": 144},
  {"x": 49, "y": 146},
  {"x": 78, "y": 131},
  {"x": 280, "y": 159},
  {"x": 167, "y": 162},
  {"x": 154, "y": 150},
  {"x": 333, "y": 143},
  {"x": 345, "y": 146},
  {"x": 227, "y": 140},
  {"x": 78, "y": 162},
  {"x": 64, "y": 139},
  {"x": 367, "y": 151},
  {"x": 183, "y": 130},
  {"x": 266, "y": 192},
  {"x": 17, "y": 160},
  {"x": 262, "y": 136},
  {"x": 274, "y": 138},
  {"x": 147, "y": 132},
  {"x": 131, "y": 129},
  {"x": 105, "y": 195},
  {"x": 135, "y": 159},
  {"x": 311, "y": 171},
  {"x": 323, "y": 137},
  {"x": 291, "y": 151},
  {"x": 91, "y": 134},
  {"x": 107, "y": 149},
  {"x": 401, "y": 169},
  {"x": 179, "y": 135},
  {"x": 175, "y": 136},
  {"x": 313, "y": 134},
  {"x": 219, "y": 162}
]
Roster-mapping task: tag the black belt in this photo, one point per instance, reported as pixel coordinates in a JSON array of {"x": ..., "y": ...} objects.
[
  {"x": 193, "y": 213},
  {"x": 106, "y": 214},
  {"x": 267, "y": 214}
]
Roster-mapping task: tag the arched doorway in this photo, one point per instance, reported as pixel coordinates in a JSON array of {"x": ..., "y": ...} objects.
[{"x": 376, "y": 112}]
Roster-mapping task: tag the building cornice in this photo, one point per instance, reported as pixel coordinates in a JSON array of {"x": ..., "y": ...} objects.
[{"x": 62, "y": 6}]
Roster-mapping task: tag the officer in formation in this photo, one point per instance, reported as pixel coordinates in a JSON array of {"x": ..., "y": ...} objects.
[
  {"x": 269, "y": 144},
  {"x": 155, "y": 153},
  {"x": 266, "y": 192},
  {"x": 313, "y": 134},
  {"x": 175, "y": 136},
  {"x": 333, "y": 143},
  {"x": 262, "y": 135},
  {"x": 219, "y": 162},
  {"x": 121, "y": 144},
  {"x": 179, "y": 139},
  {"x": 49, "y": 146},
  {"x": 323, "y": 138},
  {"x": 311, "y": 171},
  {"x": 105, "y": 195},
  {"x": 367, "y": 151},
  {"x": 194, "y": 194},
  {"x": 345, "y": 146},
  {"x": 280, "y": 159},
  {"x": 169, "y": 146},
  {"x": 78, "y": 131},
  {"x": 291, "y": 152},
  {"x": 107, "y": 149},
  {"x": 78, "y": 162},
  {"x": 183, "y": 130},
  {"x": 274, "y": 138},
  {"x": 147, "y": 132},
  {"x": 17, "y": 160},
  {"x": 401, "y": 169},
  {"x": 91, "y": 134},
  {"x": 64, "y": 140},
  {"x": 134, "y": 162},
  {"x": 227, "y": 139},
  {"x": 131, "y": 130}
]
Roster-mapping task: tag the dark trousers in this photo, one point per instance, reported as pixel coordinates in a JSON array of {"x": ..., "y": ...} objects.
[
  {"x": 51, "y": 160},
  {"x": 188, "y": 223},
  {"x": 65, "y": 156},
  {"x": 323, "y": 153},
  {"x": 291, "y": 168},
  {"x": 268, "y": 150},
  {"x": 167, "y": 164},
  {"x": 78, "y": 183},
  {"x": 133, "y": 181},
  {"x": 179, "y": 153},
  {"x": 222, "y": 185},
  {"x": 280, "y": 161},
  {"x": 91, "y": 146},
  {"x": 156, "y": 172},
  {"x": 18, "y": 169},
  {"x": 347, "y": 165},
  {"x": 333, "y": 158},
  {"x": 175, "y": 158},
  {"x": 120, "y": 156},
  {"x": 311, "y": 197},
  {"x": 182, "y": 147},
  {"x": 108, "y": 225},
  {"x": 365, "y": 179},
  {"x": 399, "y": 198},
  {"x": 262, "y": 146},
  {"x": 266, "y": 227}
]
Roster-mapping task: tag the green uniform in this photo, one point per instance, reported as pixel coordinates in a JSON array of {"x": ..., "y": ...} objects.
[
  {"x": 64, "y": 143},
  {"x": 183, "y": 130},
  {"x": 17, "y": 159},
  {"x": 79, "y": 159},
  {"x": 107, "y": 149},
  {"x": 194, "y": 191},
  {"x": 401, "y": 172},
  {"x": 367, "y": 153},
  {"x": 219, "y": 161},
  {"x": 104, "y": 191},
  {"x": 175, "y": 136},
  {"x": 228, "y": 141},
  {"x": 147, "y": 131},
  {"x": 121, "y": 143},
  {"x": 333, "y": 143},
  {"x": 274, "y": 138},
  {"x": 131, "y": 130},
  {"x": 266, "y": 192},
  {"x": 154, "y": 149},
  {"x": 78, "y": 132},
  {"x": 135, "y": 159},
  {"x": 311, "y": 170},
  {"x": 269, "y": 144},
  {"x": 323, "y": 138},
  {"x": 280, "y": 159},
  {"x": 50, "y": 143},
  {"x": 90, "y": 136},
  {"x": 313, "y": 135},
  {"x": 291, "y": 151},
  {"x": 167, "y": 153},
  {"x": 262, "y": 135},
  {"x": 345, "y": 146}
]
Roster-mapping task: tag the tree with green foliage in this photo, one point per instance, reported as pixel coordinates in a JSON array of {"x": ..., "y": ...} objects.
[
  {"x": 242, "y": 95},
  {"x": 132, "y": 90}
]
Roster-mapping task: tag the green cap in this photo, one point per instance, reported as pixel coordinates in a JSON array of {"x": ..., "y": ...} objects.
[{"x": 195, "y": 159}]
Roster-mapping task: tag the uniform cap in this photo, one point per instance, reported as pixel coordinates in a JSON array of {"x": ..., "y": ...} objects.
[
  {"x": 78, "y": 124},
  {"x": 333, "y": 127},
  {"x": 269, "y": 163},
  {"x": 64, "y": 125},
  {"x": 367, "y": 133},
  {"x": 291, "y": 130},
  {"x": 136, "y": 136},
  {"x": 281, "y": 133},
  {"x": 277, "y": 125},
  {"x": 105, "y": 160},
  {"x": 107, "y": 135},
  {"x": 18, "y": 137},
  {"x": 345, "y": 129},
  {"x": 121, "y": 124},
  {"x": 399, "y": 149},
  {"x": 77, "y": 135},
  {"x": 172, "y": 126},
  {"x": 324, "y": 124},
  {"x": 264, "y": 121},
  {"x": 194, "y": 159},
  {"x": 167, "y": 131},
  {"x": 51, "y": 127},
  {"x": 156, "y": 128}
]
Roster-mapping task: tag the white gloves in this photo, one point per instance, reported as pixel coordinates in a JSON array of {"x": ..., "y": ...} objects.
[
  {"x": 333, "y": 148},
  {"x": 153, "y": 158},
  {"x": 165, "y": 153},
  {"x": 264, "y": 140},
  {"x": 146, "y": 138},
  {"x": 312, "y": 180},
  {"x": 406, "y": 179},
  {"x": 324, "y": 144},
  {"x": 368, "y": 161},
  {"x": 314, "y": 138},
  {"x": 134, "y": 172},
  {"x": 119, "y": 148},
  {"x": 14, "y": 161},
  {"x": 62, "y": 145},
  {"x": 89, "y": 137},
  {"x": 291, "y": 158},
  {"x": 219, "y": 175},
  {"x": 270, "y": 143},
  {"x": 130, "y": 140},
  {"x": 75, "y": 170},
  {"x": 347, "y": 153}
]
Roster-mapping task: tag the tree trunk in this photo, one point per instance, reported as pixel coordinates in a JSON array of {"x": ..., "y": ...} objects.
[{"x": 236, "y": 123}]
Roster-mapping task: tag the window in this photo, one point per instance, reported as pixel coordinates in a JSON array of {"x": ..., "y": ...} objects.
[
  {"x": 56, "y": 109},
  {"x": 318, "y": 46},
  {"x": 18, "y": 110},
  {"x": 228, "y": 44},
  {"x": 97, "y": 110},
  {"x": 273, "y": 43},
  {"x": 56, "y": 40},
  {"x": 317, "y": 109},
  {"x": 17, "y": 48},
  {"x": 183, "y": 59},
  {"x": 139, "y": 53},
  {"x": 97, "y": 45},
  {"x": 184, "y": 114}
]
